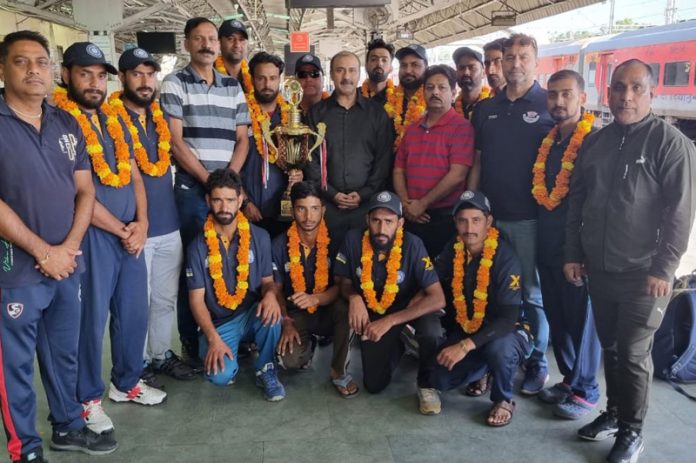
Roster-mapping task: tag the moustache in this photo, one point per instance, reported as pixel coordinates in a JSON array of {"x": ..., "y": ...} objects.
[
  {"x": 558, "y": 108},
  {"x": 206, "y": 51},
  {"x": 346, "y": 82},
  {"x": 434, "y": 98},
  {"x": 409, "y": 77},
  {"x": 142, "y": 89},
  {"x": 95, "y": 91}
]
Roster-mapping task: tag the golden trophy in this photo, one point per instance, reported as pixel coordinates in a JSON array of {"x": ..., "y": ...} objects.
[{"x": 293, "y": 141}]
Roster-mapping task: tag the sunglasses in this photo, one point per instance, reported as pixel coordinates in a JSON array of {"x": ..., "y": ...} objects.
[{"x": 305, "y": 74}]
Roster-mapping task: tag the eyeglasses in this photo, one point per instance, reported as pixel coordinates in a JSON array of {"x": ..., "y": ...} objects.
[{"x": 305, "y": 74}]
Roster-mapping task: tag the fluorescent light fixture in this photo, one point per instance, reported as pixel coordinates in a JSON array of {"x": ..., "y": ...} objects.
[
  {"x": 503, "y": 18},
  {"x": 404, "y": 34}
]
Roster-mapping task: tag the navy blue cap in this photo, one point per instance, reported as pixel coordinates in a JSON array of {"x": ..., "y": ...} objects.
[
  {"x": 232, "y": 25},
  {"x": 86, "y": 54},
  {"x": 134, "y": 57},
  {"x": 387, "y": 200},
  {"x": 466, "y": 51},
  {"x": 413, "y": 49},
  {"x": 308, "y": 58},
  {"x": 475, "y": 199}
]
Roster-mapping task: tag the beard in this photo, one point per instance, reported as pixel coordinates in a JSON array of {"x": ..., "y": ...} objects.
[
  {"x": 82, "y": 100},
  {"x": 264, "y": 98},
  {"x": 378, "y": 244},
  {"x": 377, "y": 75},
  {"x": 412, "y": 84},
  {"x": 233, "y": 57},
  {"x": 466, "y": 85},
  {"x": 223, "y": 218},
  {"x": 132, "y": 95}
]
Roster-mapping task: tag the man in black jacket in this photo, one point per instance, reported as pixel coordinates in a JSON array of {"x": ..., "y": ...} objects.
[{"x": 631, "y": 208}]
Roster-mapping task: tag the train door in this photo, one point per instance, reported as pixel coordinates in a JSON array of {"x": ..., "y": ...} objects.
[{"x": 605, "y": 68}]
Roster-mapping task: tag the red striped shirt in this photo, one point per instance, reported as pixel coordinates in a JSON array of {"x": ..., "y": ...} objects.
[{"x": 426, "y": 154}]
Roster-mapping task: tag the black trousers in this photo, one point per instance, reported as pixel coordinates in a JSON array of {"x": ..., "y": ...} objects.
[
  {"x": 626, "y": 319},
  {"x": 436, "y": 233},
  {"x": 381, "y": 358}
]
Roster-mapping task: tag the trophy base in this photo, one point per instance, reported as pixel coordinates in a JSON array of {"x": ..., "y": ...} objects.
[{"x": 285, "y": 210}]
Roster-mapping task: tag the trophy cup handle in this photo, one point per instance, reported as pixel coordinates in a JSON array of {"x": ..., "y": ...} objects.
[
  {"x": 266, "y": 131},
  {"x": 319, "y": 138}
]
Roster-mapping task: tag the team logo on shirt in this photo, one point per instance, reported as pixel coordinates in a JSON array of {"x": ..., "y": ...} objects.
[
  {"x": 8, "y": 256},
  {"x": 530, "y": 117},
  {"x": 189, "y": 272},
  {"x": 400, "y": 277},
  {"x": 67, "y": 143},
  {"x": 341, "y": 258},
  {"x": 428, "y": 263},
  {"x": 15, "y": 309},
  {"x": 251, "y": 256},
  {"x": 514, "y": 282}
]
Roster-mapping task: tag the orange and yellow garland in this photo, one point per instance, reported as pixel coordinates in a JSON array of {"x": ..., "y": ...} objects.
[
  {"x": 95, "y": 150},
  {"x": 258, "y": 116},
  {"x": 321, "y": 272},
  {"x": 247, "y": 83},
  {"x": 395, "y": 108},
  {"x": 391, "y": 287},
  {"x": 156, "y": 169},
  {"x": 560, "y": 190},
  {"x": 365, "y": 88},
  {"x": 224, "y": 298},
  {"x": 485, "y": 93},
  {"x": 483, "y": 275}
]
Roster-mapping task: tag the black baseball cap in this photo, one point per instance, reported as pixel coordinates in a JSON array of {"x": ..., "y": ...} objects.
[
  {"x": 466, "y": 51},
  {"x": 86, "y": 54},
  {"x": 308, "y": 58},
  {"x": 232, "y": 25},
  {"x": 134, "y": 57},
  {"x": 413, "y": 49},
  {"x": 475, "y": 199},
  {"x": 387, "y": 200}
]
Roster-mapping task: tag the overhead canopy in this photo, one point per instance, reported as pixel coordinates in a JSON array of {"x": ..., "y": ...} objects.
[{"x": 429, "y": 22}]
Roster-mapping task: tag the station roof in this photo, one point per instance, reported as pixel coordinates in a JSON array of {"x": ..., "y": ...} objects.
[{"x": 431, "y": 22}]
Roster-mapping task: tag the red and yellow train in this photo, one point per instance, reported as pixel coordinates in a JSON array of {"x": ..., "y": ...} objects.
[{"x": 669, "y": 50}]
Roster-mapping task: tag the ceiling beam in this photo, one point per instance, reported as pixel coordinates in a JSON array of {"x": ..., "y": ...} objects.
[{"x": 134, "y": 19}]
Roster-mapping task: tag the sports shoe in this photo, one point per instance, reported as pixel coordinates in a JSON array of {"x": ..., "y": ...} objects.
[
  {"x": 603, "y": 427},
  {"x": 174, "y": 367},
  {"x": 149, "y": 377},
  {"x": 555, "y": 394},
  {"x": 627, "y": 448},
  {"x": 34, "y": 456},
  {"x": 573, "y": 408},
  {"x": 84, "y": 440},
  {"x": 95, "y": 417},
  {"x": 267, "y": 379},
  {"x": 189, "y": 356},
  {"x": 534, "y": 380},
  {"x": 429, "y": 401},
  {"x": 141, "y": 393}
]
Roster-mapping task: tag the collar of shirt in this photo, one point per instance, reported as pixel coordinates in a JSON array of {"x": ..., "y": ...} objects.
[
  {"x": 534, "y": 92},
  {"x": 361, "y": 100},
  {"x": 217, "y": 77},
  {"x": 624, "y": 130},
  {"x": 5, "y": 109},
  {"x": 443, "y": 121}
]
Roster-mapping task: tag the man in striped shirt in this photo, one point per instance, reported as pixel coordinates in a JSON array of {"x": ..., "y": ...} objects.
[
  {"x": 208, "y": 120},
  {"x": 432, "y": 162}
]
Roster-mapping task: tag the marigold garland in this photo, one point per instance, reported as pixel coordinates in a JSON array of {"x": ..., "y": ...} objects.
[
  {"x": 95, "y": 150},
  {"x": 472, "y": 325},
  {"x": 365, "y": 88},
  {"x": 459, "y": 107},
  {"x": 560, "y": 190},
  {"x": 258, "y": 116},
  {"x": 247, "y": 83},
  {"x": 391, "y": 287},
  {"x": 395, "y": 108},
  {"x": 156, "y": 169},
  {"x": 321, "y": 272},
  {"x": 224, "y": 298}
]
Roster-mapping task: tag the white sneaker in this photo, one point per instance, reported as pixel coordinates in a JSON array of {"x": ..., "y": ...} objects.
[
  {"x": 429, "y": 401},
  {"x": 96, "y": 419},
  {"x": 141, "y": 393}
]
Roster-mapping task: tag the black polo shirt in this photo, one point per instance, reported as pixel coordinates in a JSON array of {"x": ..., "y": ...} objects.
[
  {"x": 551, "y": 224},
  {"x": 162, "y": 215},
  {"x": 508, "y": 134},
  {"x": 37, "y": 182},
  {"x": 281, "y": 267},
  {"x": 198, "y": 276},
  {"x": 359, "y": 144},
  {"x": 504, "y": 292},
  {"x": 416, "y": 272}
]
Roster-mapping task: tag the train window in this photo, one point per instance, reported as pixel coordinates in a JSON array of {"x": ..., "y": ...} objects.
[
  {"x": 655, "y": 73},
  {"x": 591, "y": 74},
  {"x": 677, "y": 74}
]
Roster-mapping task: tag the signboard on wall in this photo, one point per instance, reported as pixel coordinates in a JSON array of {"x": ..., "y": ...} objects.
[{"x": 299, "y": 42}]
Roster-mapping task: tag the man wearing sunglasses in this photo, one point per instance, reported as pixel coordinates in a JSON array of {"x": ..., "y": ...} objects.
[{"x": 309, "y": 72}]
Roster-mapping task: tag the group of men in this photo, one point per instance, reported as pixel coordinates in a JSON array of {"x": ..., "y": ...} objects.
[{"x": 446, "y": 216}]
